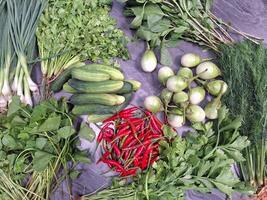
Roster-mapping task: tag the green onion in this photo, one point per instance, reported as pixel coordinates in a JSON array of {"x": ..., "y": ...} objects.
[{"x": 23, "y": 16}]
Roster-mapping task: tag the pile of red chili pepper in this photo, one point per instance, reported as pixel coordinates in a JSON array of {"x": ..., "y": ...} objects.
[{"x": 130, "y": 140}]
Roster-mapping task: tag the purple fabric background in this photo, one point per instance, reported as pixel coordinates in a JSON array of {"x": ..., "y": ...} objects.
[{"x": 247, "y": 15}]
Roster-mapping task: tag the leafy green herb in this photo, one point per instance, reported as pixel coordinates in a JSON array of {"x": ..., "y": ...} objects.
[
  {"x": 245, "y": 70},
  {"x": 38, "y": 141}
]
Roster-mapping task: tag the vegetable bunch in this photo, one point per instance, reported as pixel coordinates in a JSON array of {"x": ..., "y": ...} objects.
[
  {"x": 73, "y": 31},
  {"x": 35, "y": 145},
  {"x": 130, "y": 142},
  {"x": 201, "y": 161},
  {"x": 163, "y": 23},
  {"x": 186, "y": 91},
  {"x": 245, "y": 70},
  {"x": 19, "y": 22}
]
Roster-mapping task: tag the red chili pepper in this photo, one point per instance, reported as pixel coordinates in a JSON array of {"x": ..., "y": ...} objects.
[
  {"x": 130, "y": 172},
  {"x": 115, "y": 164},
  {"x": 113, "y": 118},
  {"x": 136, "y": 146},
  {"x": 153, "y": 160},
  {"x": 121, "y": 134},
  {"x": 154, "y": 125},
  {"x": 127, "y": 141},
  {"x": 145, "y": 159},
  {"x": 117, "y": 150}
]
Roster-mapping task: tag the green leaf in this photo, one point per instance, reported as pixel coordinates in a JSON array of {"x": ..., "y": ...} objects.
[
  {"x": 145, "y": 34},
  {"x": 86, "y": 132},
  {"x": 82, "y": 157},
  {"x": 9, "y": 141},
  {"x": 168, "y": 132},
  {"x": 74, "y": 174},
  {"x": 50, "y": 124},
  {"x": 65, "y": 132},
  {"x": 234, "y": 125},
  {"x": 165, "y": 57},
  {"x": 159, "y": 26},
  {"x": 39, "y": 112},
  {"x": 180, "y": 29},
  {"x": 41, "y": 142},
  {"x": 153, "y": 10},
  {"x": 24, "y": 136},
  {"x": 139, "y": 14},
  {"x": 203, "y": 168},
  {"x": 208, "y": 4},
  {"x": 224, "y": 188},
  {"x": 222, "y": 113},
  {"x": 14, "y": 106},
  {"x": 227, "y": 177},
  {"x": 41, "y": 160}
]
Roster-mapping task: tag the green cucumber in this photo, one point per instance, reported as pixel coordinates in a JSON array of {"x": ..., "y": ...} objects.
[
  {"x": 114, "y": 73},
  {"x": 109, "y": 86},
  {"x": 98, "y": 118},
  {"x": 127, "y": 88},
  {"x": 98, "y": 109},
  {"x": 103, "y": 99},
  {"x": 69, "y": 89},
  {"x": 89, "y": 75},
  {"x": 136, "y": 84},
  {"x": 58, "y": 83}
]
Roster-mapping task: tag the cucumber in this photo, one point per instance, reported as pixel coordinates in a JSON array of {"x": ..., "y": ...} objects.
[
  {"x": 98, "y": 109},
  {"x": 136, "y": 84},
  {"x": 58, "y": 83},
  {"x": 98, "y": 118},
  {"x": 89, "y": 75},
  {"x": 69, "y": 89},
  {"x": 127, "y": 88},
  {"x": 96, "y": 87},
  {"x": 103, "y": 99},
  {"x": 114, "y": 73}
]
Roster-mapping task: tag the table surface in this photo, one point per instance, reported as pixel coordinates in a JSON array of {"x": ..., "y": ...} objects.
[{"x": 247, "y": 15}]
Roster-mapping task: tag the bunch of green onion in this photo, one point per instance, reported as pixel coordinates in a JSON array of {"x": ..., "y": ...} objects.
[{"x": 18, "y": 42}]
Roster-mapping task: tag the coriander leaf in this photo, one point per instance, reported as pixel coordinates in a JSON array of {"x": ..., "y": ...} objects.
[{"x": 168, "y": 132}]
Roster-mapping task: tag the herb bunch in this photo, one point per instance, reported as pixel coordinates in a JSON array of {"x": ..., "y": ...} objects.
[
  {"x": 35, "y": 145},
  {"x": 163, "y": 23},
  {"x": 244, "y": 68},
  {"x": 201, "y": 161},
  {"x": 73, "y": 31}
]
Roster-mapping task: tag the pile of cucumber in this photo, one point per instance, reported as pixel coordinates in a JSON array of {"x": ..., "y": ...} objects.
[{"x": 99, "y": 91}]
